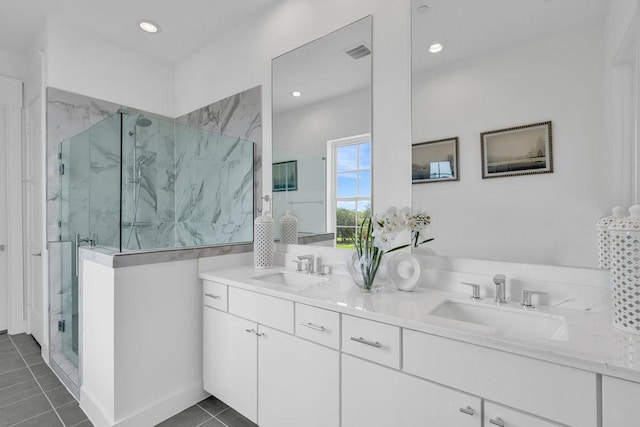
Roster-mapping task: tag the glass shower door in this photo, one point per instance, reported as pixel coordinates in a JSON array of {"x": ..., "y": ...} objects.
[{"x": 89, "y": 172}]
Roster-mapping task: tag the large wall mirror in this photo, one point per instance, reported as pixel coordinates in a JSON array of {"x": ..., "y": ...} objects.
[
  {"x": 321, "y": 94},
  {"x": 484, "y": 67}
]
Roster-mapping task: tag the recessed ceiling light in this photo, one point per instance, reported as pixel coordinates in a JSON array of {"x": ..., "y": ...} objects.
[
  {"x": 149, "y": 27},
  {"x": 296, "y": 93},
  {"x": 436, "y": 47}
]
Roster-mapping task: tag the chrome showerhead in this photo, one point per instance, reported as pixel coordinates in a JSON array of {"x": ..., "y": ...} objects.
[{"x": 143, "y": 122}]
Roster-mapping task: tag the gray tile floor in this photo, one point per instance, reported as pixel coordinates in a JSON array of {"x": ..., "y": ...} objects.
[
  {"x": 30, "y": 393},
  {"x": 32, "y": 396},
  {"x": 211, "y": 412}
]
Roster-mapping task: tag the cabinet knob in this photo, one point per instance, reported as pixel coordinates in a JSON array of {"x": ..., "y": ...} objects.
[
  {"x": 497, "y": 421},
  {"x": 251, "y": 331},
  {"x": 468, "y": 410}
]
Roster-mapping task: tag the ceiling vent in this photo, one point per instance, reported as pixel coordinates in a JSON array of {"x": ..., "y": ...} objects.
[{"x": 360, "y": 51}]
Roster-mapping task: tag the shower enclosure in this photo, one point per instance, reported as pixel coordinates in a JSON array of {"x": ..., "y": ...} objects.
[{"x": 133, "y": 182}]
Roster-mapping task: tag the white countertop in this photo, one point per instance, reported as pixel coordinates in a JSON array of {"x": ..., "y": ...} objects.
[{"x": 593, "y": 343}]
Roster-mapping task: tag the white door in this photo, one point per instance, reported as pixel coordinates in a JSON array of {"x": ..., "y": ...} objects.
[
  {"x": 373, "y": 395},
  {"x": 34, "y": 229},
  {"x": 230, "y": 365},
  {"x": 304, "y": 375},
  {"x": 11, "y": 266}
]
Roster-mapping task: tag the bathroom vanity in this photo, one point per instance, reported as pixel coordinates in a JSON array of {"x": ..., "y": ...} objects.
[{"x": 286, "y": 349}]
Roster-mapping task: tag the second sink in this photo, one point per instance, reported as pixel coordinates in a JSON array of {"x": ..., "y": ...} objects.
[{"x": 505, "y": 321}]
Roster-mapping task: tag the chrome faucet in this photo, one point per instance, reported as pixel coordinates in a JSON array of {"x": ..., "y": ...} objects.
[
  {"x": 310, "y": 261},
  {"x": 501, "y": 288}
]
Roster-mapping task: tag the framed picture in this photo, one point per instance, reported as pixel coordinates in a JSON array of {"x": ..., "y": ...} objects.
[
  {"x": 434, "y": 161},
  {"x": 521, "y": 150},
  {"x": 285, "y": 176}
]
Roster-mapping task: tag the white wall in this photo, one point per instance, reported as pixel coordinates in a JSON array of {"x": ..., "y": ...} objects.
[
  {"x": 242, "y": 59},
  {"x": 83, "y": 63},
  {"x": 12, "y": 64},
  {"x": 307, "y": 129},
  {"x": 547, "y": 218}
]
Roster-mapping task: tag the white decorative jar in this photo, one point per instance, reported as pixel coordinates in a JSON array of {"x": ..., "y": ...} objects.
[
  {"x": 602, "y": 226},
  {"x": 624, "y": 237},
  {"x": 289, "y": 229},
  {"x": 263, "y": 245}
]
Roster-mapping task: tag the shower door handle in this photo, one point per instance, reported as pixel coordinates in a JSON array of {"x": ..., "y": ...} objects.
[{"x": 78, "y": 241}]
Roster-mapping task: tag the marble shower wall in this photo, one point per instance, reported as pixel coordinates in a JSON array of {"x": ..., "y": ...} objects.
[{"x": 238, "y": 116}]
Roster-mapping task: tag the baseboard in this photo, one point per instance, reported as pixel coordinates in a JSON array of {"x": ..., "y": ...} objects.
[{"x": 149, "y": 416}]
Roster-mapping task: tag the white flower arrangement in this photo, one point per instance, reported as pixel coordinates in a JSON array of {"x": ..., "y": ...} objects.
[
  {"x": 378, "y": 234},
  {"x": 388, "y": 225}
]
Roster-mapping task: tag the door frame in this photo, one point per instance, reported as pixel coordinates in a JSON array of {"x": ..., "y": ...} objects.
[{"x": 11, "y": 105}]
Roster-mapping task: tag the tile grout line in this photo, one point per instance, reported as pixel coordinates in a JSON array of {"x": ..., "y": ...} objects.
[
  {"x": 213, "y": 415},
  {"x": 31, "y": 418},
  {"x": 13, "y": 385},
  {"x": 17, "y": 401},
  {"x": 37, "y": 382}
]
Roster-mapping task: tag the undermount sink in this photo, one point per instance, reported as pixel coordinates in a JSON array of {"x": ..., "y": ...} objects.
[
  {"x": 289, "y": 279},
  {"x": 505, "y": 321}
]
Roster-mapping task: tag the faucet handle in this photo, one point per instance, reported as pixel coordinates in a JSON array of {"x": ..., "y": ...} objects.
[
  {"x": 475, "y": 290},
  {"x": 499, "y": 279},
  {"x": 299, "y": 265},
  {"x": 526, "y": 297}
]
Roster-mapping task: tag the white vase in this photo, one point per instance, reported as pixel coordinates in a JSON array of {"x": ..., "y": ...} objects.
[
  {"x": 289, "y": 229},
  {"x": 404, "y": 270},
  {"x": 603, "y": 226},
  {"x": 625, "y": 271},
  {"x": 263, "y": 245}
]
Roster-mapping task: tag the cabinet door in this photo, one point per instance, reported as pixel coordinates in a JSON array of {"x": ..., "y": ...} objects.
[
  {"x": 496, "y": 415},
  {"x": 230, "y": 351},
  {"x": 373, "y": 395},
  {"x": 299, "y": 382},
  {"x": 620, "y": 403}
]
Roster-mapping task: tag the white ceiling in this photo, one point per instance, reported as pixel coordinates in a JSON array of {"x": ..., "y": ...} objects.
[
  {"x": 186, "y": 25},
  {"x": 472, "y": 27},
  {"x": 321, "y": 69}
]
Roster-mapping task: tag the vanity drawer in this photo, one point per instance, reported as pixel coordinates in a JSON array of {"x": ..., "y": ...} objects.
[
  {"x": 559, "y": 393},
  {"x": 264, "y": 309},
  {"x": 214, "y": 295},
  {"x": 318, "y": 325},
  {"x": 371, "y": 340}
]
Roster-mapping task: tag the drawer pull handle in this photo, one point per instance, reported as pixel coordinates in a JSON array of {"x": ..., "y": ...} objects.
[
  {"x": 212, "y": 296},
  {"x": 312, "y": 326},
  {"x": 254, "y": 332},
  {"x": 497, "y": 421},
  {"x": 207, "y": 305},
  {"x": 363, "y": 341},
  {"x": 468, "y": 410}
]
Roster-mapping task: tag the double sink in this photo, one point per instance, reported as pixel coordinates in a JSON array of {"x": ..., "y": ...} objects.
[{"x": 499, "y": 320}]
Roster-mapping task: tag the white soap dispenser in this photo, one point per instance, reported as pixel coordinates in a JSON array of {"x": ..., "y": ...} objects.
[
  {"x": 289, "y": 229},
  {"x": 602, "y": 226},
  {"x": 263, "y": 245}
]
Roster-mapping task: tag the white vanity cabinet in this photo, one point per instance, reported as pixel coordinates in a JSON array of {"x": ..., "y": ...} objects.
[
  {"x": 229, "y": 366},
  {"x": 501, "y": 416},
  {"x": 558, "y": 393},
  {"x": 253, "y": 363},
  {"x": 620, "y": 399},
  {"x": 374, "y": 395},
  {"x": 298, "y": 382}
]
